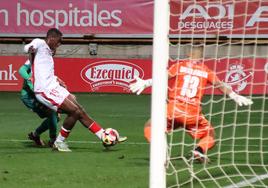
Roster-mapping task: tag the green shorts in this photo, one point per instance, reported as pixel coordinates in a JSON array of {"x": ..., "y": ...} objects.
[{"x": 33, "y": 104}]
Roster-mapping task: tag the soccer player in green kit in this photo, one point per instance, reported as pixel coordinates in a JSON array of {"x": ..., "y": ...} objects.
[{"x": 29, "y": 100}]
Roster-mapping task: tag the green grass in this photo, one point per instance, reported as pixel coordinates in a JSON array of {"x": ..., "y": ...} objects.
[
  {"x": 89, "y": 165},
  {"x": 127, "y": 165}
]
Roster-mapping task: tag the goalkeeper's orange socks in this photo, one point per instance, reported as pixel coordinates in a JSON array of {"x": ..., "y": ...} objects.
[
  {"x": 206, "y": 143},
  {"x": 96, "y": 129}
]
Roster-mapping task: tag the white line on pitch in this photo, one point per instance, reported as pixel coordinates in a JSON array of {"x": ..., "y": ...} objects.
[
  {"x": 248, "y": 182},
  {"x": 106, "y": 115},
  {"x": 74, "y": 141},
  {"x": 96, "y": 142}
]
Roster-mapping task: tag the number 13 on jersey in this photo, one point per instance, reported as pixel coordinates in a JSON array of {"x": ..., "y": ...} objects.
[{"x": 190, "y": 86}]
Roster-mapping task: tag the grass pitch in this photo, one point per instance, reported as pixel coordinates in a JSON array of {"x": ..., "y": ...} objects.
[
  {"x": 126, "y": 165},
  {"x": 89, "y": 165}
]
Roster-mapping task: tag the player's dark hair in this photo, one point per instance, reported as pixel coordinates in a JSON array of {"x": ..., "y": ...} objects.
[{"x": 54, "y": 32}]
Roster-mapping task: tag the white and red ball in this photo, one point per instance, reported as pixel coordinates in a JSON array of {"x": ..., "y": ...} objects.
[{"x": 109, "y": 137}]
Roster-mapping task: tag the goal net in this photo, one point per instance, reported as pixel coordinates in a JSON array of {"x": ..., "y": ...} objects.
[{"x": 234, "y": 38}]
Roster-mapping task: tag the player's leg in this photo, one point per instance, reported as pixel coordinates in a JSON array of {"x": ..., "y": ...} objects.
[
  {"x": 171, "y": 124},
  {"x": 31, "y": 103},
  {"x": 196, "y": 125},
  {"x": 207, "y": 140},
  {"x": 35, "y": 135},
  {"x": 53, "y": 119},
  {"x": 42, "y": 111},
  {"x": 147, "y": 130},
  {"x": 53, "y": 99},
  {"x": 60, "y": 98},
  {"x": 75, "y": 112},
  {"x": 204, "y": 132},
  {"x": 93, "y": 127}
]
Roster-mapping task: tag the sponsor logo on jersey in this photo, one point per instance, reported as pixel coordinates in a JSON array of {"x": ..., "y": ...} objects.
[
  {"x": 237, "y": 77},
  {"x": 110, "y": 73},
  {"x": 194, "y": 72}
]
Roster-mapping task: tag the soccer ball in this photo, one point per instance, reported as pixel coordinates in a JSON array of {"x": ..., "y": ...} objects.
[{"x": 109, "y": 137}]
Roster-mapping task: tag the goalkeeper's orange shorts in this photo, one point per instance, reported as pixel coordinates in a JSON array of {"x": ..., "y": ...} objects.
[{"x": 189, "y": 118}]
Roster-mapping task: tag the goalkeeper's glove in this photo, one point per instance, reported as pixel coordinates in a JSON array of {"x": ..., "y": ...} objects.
[
  {"x": 140, "y": 85},
  {"x": 240, "y": 100}
]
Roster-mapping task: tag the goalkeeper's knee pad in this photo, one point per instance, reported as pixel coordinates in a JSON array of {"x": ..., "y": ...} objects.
[{"x": 147, "y": 133}]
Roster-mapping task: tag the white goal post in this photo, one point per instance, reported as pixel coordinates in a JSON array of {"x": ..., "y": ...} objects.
[{"x": 159, "y": 94}]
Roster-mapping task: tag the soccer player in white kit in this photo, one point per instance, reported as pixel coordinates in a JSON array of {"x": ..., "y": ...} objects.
[{"x": 52, "y": 92}]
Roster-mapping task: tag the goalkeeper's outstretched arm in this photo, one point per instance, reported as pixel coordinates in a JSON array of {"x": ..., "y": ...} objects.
[
  {"x": 226, "y": 89},
  {"x": 140, "y": 85}
]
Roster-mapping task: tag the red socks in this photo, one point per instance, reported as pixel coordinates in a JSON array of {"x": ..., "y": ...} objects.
[
  {"x": 94, "y": 127},
  {"x": 63, "y": 134}
]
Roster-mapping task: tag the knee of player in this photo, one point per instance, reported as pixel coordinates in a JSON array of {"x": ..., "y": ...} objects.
[
  {"x": 211, "y": 132},
  {"x": 82, "y": 111},
  {"x": 212, "y": 140},
  {"x": 147, "y": 134},
  {"x": 76, "y": 112}
]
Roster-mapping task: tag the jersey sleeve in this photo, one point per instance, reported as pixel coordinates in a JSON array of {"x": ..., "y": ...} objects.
[
  {"x": 36, "y": 43},
  {"x": 24, "y": 70},
  {"x": 25, "y": 73}
]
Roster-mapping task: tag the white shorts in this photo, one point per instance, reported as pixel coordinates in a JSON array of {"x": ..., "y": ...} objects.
[{"x": 53, "y": 98}]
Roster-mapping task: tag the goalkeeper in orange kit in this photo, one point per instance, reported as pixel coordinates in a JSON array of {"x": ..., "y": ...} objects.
[{"x": 187, "y": 83}]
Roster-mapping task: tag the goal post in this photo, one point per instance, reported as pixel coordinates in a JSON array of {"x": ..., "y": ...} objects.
[{"x": 159, "y": 94}]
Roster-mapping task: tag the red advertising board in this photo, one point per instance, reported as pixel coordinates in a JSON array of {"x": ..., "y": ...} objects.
[
  {"x": 245, "y": 75},
  {"x": 74, "y": 17},
  {"x": 131, "y": 18},
  {"x": 82, "y": 74},
  {"x": 224, "y": 18},
  {"x": 101, "y": 75},
  {"x": 10, "y": 79}
]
